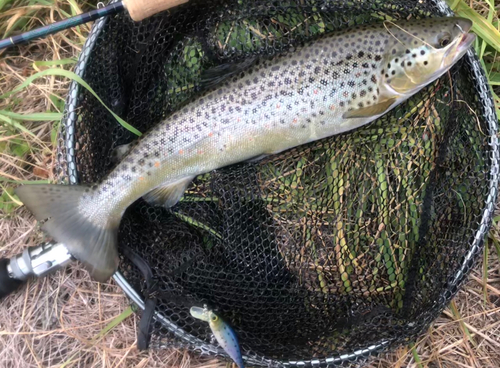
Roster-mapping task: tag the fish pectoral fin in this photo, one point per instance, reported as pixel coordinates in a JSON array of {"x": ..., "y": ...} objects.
[
  {"x": 256, "y": 158},
  {"x": 373, "y": 110},
  {"x": 169, "y": 194}
]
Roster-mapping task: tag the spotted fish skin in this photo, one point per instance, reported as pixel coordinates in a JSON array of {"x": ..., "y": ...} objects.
[
  {"x": 332, "y": 85},
  {"x": 223, "y": 333}
]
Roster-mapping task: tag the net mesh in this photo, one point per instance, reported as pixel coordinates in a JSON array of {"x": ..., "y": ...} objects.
[{"x": 323, "y": 250}]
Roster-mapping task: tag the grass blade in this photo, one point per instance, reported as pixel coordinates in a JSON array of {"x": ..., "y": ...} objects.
[
  {"x": 414, "y": 352},
  {"x": 464, "y": 328},
  {"x": 42, "y": 116},
  {"x": 16, "y": 125},
  {"x": 55, "y": 62},
  {"x": 115, "y": 322},
  {"x": 485, "y": 272},
  {"x": 67, "y": 74}
]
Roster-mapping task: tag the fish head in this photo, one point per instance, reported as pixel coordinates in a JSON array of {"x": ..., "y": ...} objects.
[{"x": 422, "y": 50}]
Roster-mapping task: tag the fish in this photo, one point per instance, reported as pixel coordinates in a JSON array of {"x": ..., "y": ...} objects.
[
  {"x": 223, "y": 333},
  {"x": 329, "y": 86}
]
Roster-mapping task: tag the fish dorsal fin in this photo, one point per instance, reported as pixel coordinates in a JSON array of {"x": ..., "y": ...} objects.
[
  {"x": 368, "y": 111},
  {"x": 119, "y": 152},
  {"x": 169, "y": 194},
  {"x": 213, "y": 76}
]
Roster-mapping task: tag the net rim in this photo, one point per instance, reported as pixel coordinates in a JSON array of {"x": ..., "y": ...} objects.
[{"x": 67, "y": 161}]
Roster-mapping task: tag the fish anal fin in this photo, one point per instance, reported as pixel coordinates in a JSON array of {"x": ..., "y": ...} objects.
[
  {"x": 368, "y": 111},
  {"x": 169, "y": 194}
]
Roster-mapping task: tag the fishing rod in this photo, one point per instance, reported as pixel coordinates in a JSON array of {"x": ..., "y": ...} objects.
[{"x": 137, "y": 9}]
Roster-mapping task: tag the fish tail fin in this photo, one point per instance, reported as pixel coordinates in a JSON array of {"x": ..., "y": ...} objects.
[{"x": 93, "y": 244}]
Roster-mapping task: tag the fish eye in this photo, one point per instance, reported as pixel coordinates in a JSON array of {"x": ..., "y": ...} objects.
[
  {"x": 214, "y": 318},
  {"x": 445, "y": 40}
]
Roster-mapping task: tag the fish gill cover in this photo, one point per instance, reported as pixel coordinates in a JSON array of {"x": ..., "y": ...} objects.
[{"x": 319, "y": 251}]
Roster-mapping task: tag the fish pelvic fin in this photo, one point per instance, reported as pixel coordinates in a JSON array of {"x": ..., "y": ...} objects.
[
  {"x": 92, "y": 244},
  {"x": 168, "y": 195},
  {"x": 369, "y": 111}
]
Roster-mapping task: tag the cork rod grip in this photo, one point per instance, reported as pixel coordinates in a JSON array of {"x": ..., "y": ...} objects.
[{"x": 141, "y": 9}]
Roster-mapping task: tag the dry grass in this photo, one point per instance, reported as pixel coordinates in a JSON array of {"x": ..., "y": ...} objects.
[{"x": 53, "y": 322}]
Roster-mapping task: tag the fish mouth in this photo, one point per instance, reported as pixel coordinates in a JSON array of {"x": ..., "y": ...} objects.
[
  {"x": 466, "y": 41},
  {"x": 461, "y": 47}
]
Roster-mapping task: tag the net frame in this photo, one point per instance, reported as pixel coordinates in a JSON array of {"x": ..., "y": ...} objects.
[{"x": 67, "y": 167}]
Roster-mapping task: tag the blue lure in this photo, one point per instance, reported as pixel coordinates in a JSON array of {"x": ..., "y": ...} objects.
[{"x": 223, "y": 333}]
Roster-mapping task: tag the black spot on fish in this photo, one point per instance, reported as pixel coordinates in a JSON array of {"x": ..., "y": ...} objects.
[
  {"x": 365, "y": 65},
  {"x": 408, "y": 63},
  {"x": 374, "y": 78},
  {"x": 335, "y": 75},
  {"x": 378, "y": 57},
  {"x": 354, "y": 96},
  {"x": 346, "y": 71},
  {"x": 361, "y": 54},
  {"x": 351, "y": 83},
  {"x": 422, "y": 52},
  {"x": 311, "y": 79},
  {"x": 362, "y": 93},
  {"x": 393, "y": 72},
  {"x": 341, "y": 103},
  {"x": 348, "y": 56},
  {"x": 408, "y": 51},
  {"x": 360, "y": 104},
  {"x": 425, "y": 62}
]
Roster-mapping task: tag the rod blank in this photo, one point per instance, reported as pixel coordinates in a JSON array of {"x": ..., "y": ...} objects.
[{"x": 138, "y": 10}]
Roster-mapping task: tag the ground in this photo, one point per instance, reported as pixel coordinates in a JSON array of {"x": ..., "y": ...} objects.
[{"x": 67, "y": 320}]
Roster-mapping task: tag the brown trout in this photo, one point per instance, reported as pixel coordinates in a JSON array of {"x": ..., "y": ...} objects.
[{"x": 332, "y": 85}]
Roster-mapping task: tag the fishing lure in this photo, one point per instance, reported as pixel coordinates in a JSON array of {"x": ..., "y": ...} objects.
[{"x": 223, "y": 333}]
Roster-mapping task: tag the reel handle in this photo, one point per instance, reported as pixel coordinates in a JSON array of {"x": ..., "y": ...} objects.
[
  {"x": 7, "y": 284},
  {"x": 141, "y": 9},
  {"x": 36, "y": 261}
]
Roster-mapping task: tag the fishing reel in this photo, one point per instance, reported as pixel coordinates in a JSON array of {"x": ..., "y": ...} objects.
[{"x": 37, "y": 261}]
